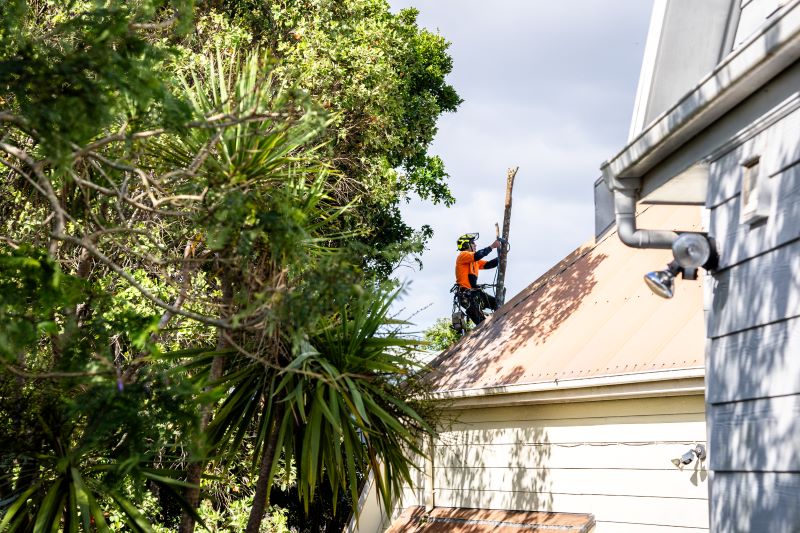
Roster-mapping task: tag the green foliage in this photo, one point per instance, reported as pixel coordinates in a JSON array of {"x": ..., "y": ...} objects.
[
  {"x": 343, "y": 403},
  {"x": 69, "y": 449},
  {"x": 192, "y": 245},
  {"x": 233, "y": 517},
  {"x": 441, "y": 335},
  {"x": 70, "y": 68},
  {"x": 382, "y": 78}
]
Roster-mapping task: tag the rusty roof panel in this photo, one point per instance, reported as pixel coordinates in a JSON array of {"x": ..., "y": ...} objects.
[
  {"x": 590, "y": 315},
  {"x": 459, "y": 520}
]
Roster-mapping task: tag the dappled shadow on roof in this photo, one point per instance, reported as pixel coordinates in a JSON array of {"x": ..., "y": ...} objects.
[
  {"x": 554, "y": 302},
  {"x": 532, "y": 316},
  {"x": 590, "y": 315}
]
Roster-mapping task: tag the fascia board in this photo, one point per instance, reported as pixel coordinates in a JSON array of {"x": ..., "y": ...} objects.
[
  {"x": 738, "y": 76},
  {"x": 686, "y": 381}
]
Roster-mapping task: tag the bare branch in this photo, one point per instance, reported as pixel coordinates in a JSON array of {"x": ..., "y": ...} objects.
[
  {"x": 59, "y": 222},
  {"x": 14, "y": 119},
  {"x": 13, "y": 244},
  {"x": 154, "y": 25},
  {"x": 139, "y": 287},
  {"x": 120, "y": 194},
  {"x": 188, "y": 251},
  {"x": 50, "y": 375},
  {"x": 117, "y": 137}
]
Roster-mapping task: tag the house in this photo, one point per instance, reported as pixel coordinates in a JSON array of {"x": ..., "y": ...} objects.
[
  {"x": 717, "y": 124},
  {"x": 570, "y": 407}
]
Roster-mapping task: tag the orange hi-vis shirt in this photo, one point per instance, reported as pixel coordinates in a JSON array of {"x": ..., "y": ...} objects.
[{"x": 466, "y": 265}]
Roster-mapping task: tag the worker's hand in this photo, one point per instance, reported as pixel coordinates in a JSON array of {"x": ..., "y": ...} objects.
[{"x": 496, "y": 244}]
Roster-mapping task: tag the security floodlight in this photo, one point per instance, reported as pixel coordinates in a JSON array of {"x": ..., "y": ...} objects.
[
  {"x": 662, "y": 282},
  {"x": 691, "y": 250}
]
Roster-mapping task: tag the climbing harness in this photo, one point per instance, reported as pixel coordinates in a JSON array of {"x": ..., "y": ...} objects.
[{"x": 462, "y": 300}]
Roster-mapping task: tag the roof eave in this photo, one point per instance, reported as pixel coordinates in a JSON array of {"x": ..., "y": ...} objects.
[
  {"x": 740, "y": 74},
  {"x": 679, "y": 382}
]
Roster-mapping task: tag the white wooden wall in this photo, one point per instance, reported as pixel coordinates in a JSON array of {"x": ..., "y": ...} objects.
[
  {"x": 608, "y": 458},
  {"x": 753, "y": 360}
]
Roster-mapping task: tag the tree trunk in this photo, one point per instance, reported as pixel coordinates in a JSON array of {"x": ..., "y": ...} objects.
[
  {"x": 195, "y": 471},
  {"x": 501, "y": 272},
  {"x": 261, "y": 496}
]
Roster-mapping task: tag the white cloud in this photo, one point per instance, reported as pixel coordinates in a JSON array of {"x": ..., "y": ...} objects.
[{"x": 548, "y": 86}]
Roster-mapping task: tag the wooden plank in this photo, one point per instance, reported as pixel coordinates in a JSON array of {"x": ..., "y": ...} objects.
[
  {"x": 674, "y": 483},
  {"x": 643, "y": 456},
  {"x": 755, "y": 363},
  {"x": 675, "y": 512},
  {"x": 755, "y": 435},
  {"x": 664, "y": 428},
  {"x": 762, "y": 290},
  {"x": 754, "y": 502},
  {"x": 739, "y": 242}
]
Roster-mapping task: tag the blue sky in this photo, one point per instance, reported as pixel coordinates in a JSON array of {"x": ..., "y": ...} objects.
[{"x": 547, "y": 86}]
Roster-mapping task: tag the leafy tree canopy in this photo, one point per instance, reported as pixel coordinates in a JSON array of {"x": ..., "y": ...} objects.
[
  {"x": 194, "y": 242},
  {"x": 382, "y": 78},
  {"x": 441, "y": 335}
]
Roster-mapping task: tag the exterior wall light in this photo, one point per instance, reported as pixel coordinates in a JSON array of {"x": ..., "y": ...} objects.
[
  {"x": 662, "y": 282},
  {"x": 694, "y": 250},
  {"x": 698, "y": 451},
  {"x": 691, "y": 251}
]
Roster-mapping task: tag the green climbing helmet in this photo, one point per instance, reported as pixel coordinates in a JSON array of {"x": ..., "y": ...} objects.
[{"x": 464, "y": 240}]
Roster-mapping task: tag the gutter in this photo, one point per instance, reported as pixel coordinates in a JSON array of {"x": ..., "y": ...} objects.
[
  {"x": 676, "y": 382},
  {"x": 739, "y": 75}
]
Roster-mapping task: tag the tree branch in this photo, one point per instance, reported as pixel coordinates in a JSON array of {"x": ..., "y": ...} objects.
[
  {"x": 139, "y": 287},
  {"x": 46, "y": 188},
  {"x": 50, "y": 375}
]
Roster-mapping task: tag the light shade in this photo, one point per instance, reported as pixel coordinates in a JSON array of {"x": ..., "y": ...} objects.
[
  {"x": 691, "y": 250},
  {"x": 661, "y": 282}
]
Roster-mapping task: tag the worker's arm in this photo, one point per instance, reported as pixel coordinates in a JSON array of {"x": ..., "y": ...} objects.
[
  {"x": 490, "y": 264},
  {"x": 483, "y": 252}
]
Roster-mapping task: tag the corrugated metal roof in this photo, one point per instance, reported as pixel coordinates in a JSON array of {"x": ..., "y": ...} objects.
[
  {"x": 452, "y": 520},
  {"x": 590, "y": 315}
]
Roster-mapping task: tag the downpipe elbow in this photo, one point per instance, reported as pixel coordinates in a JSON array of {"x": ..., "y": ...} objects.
[{"x": 625, "y": 214}]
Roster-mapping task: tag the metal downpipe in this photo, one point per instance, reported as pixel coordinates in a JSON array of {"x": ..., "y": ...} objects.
[{"x": 625, "y": 213}]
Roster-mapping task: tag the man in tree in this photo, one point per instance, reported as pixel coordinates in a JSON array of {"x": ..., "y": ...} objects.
[{"x": 468, "y": 263}]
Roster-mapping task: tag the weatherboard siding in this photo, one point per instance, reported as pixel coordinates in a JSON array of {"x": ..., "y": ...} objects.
[
  {"x": 608, "y": 458},
  {"x": 754, "y": 363},
  {"x": 753, "y": 14},
  {"x": 755, "y": 502},
  {"x": 753, "y": 356}
]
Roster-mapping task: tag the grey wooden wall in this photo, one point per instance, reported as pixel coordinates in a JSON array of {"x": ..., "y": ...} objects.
[{"x": 753, "y": 349}]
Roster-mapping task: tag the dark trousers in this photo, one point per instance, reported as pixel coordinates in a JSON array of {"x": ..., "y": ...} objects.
[{"x": 475, "y": 301}]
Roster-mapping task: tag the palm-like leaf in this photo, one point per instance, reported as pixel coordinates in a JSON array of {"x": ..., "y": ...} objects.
[
  {"x": 339, "y": 406},
  {"x": 248, "y": 127},
  {"x": 357, "y": 407},
  {"x": 75, "y": 489}
]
